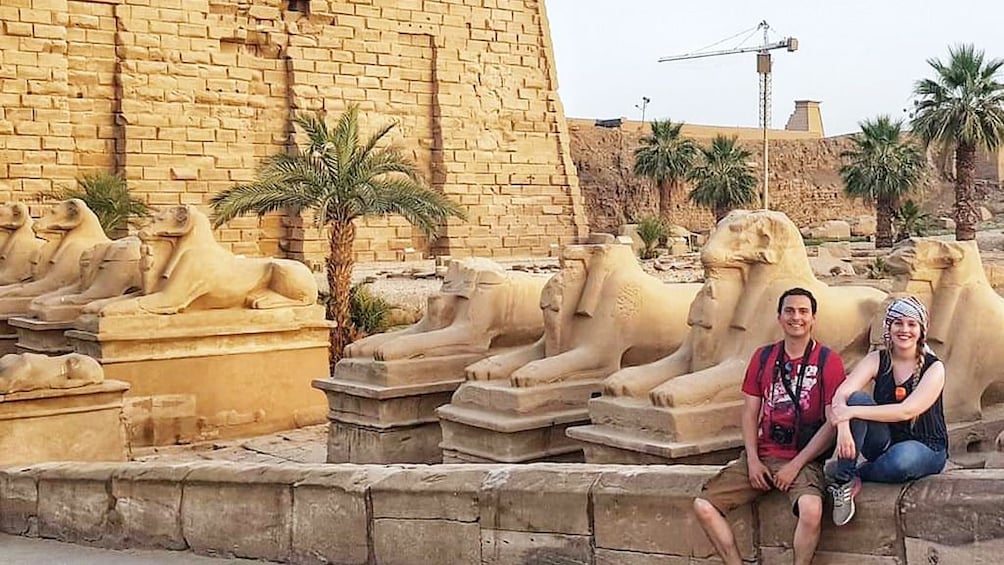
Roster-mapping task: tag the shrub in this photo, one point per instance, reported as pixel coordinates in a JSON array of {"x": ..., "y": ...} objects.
[
  {"x": 369, "y": 313},
  {"x": 108, "y": 196},
  {"x": 651, "y": 230}
]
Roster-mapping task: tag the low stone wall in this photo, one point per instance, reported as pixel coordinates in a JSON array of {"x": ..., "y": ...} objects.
[{"x": 476, "y": 514}]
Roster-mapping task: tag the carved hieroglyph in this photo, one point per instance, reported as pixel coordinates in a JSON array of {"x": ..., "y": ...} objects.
[
  {"x": 600, "y": 309},
  {"x": 71, "y": 229},
  {"x": 479, "y": 306},
  {"x": 30, "y": 371},
  {"x": 966, "y": 315},
  {"x": 750, "y": 260},
  {"x": 200, "y": 274},
  {"x": 108, "y": 270},
  {"x": 19, "y": 247}
]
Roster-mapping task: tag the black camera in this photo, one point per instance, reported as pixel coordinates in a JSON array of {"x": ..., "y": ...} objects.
[{"x": 781, "y": 435}]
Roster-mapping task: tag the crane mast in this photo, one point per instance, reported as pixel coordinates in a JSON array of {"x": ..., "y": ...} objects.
[{"x": 763, "y": 68}]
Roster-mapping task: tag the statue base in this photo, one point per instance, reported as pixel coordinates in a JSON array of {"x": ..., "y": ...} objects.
[
  {"x": 37, "y": 336},
  {"x": 212, "y": 374},
  {"x": 494, "y": 422},
  {"x": 970, "y": 443},
  {"x": 75, "y": 424},
  {"x": 385, "y": 411},
  {"x": 632, "y": 430},
  {"x": 8, "y": 335}
]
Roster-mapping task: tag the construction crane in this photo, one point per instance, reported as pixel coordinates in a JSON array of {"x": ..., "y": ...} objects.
[{"x": 763, "y": 68}]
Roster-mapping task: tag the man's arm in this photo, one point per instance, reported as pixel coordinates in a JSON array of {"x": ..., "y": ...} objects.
[{"x": 758, "y": 473}]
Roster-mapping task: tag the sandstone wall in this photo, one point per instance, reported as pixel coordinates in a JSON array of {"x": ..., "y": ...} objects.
[
  {"x": 185, "y": 97},
  {"x": 477, "y": 514},
  {"x": 804, "y": 179}
]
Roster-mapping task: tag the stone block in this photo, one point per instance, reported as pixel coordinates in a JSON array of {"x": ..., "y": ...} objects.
[
  {"x": 426, "y": 542},
  {"x": 873, "y": 531},
  {"x": 74, "y": 502},
  {"x": 649, "y": 509},
  {"x": 538, "y": 498},
  {"x": 925, "y": 552},
  {"x": 19, "y": 501},
  {"x": 446, "y": 492},
  {"x": 863, "y": 226},
  {"x": 148, "y": 506},
  {"x": 501, "y": 547},
  {"x": 955, "y": 508},
  {"x": 330, "y": 520},
  {"x": 240, "y": 511},
  {"x": 348, "y": 443}
]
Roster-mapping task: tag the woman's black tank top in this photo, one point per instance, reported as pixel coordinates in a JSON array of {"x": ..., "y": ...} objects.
[{"x": 929, "y": 428}]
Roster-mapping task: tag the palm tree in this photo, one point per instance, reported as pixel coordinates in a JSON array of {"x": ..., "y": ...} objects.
[
  {"x": 724, "y": 179},
  {"x": 339, "y": 179},
  {"x": 665, "y": 157},
  {"x": 911, "y": 221},
  {"x": 108, "y": 196},
  {"x": 882, "y": 167},
  {"x": 962, "y": 107}
]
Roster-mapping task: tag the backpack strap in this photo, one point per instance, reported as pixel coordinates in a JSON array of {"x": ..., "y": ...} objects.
[
  {"x": 765, "y": 352},
  {"x": 824, "y": 353}
]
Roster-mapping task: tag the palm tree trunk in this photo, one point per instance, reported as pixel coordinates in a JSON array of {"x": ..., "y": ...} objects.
[
  {"x": 966, "y": 213},
  {"x": 883, "y": 223},
  {"x": 665, "y": 199},
  {"x": 720, "y": 213},
  {"x": 339, "y": 270}
]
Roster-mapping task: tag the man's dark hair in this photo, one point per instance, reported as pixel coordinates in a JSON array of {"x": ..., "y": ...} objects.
[{"x": 796, "y": 292}]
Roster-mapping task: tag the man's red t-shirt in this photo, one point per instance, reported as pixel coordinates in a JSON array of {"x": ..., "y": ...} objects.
[{"x": 778, "y": 407}]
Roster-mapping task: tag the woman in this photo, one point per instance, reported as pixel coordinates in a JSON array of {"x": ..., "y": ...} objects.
[{"x": 900, "y": 430}]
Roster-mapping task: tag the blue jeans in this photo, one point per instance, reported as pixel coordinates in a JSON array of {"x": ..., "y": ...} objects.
[{"x": 885, "y": 463}]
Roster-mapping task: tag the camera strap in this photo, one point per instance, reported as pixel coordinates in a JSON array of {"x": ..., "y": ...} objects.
[{"x": 796, "y": 393}]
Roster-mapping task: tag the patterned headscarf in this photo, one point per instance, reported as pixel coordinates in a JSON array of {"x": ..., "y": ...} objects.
[{"x": 908, "y": 307}]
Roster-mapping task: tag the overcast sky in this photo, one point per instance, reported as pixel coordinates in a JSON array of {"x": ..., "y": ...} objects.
[{"x": 859, "y": 58}]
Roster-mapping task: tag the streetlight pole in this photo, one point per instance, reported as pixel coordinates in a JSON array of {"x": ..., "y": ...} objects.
[{"x": 644, "y": 104}]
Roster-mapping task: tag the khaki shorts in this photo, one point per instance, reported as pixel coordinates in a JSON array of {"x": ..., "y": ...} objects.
[{"x": 731, "y": 487}]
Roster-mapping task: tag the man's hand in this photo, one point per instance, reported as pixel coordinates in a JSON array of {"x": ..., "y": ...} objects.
[
  {"x": 845, "y": 443},
  {"x": 759, "y": 474},
  {"x": 786, "y": 475}
]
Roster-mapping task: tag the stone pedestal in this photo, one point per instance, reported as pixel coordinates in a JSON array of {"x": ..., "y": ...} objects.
[
  {"x": 77, "y": 424},
  {"x": 492, "y": 421},
  {"x": 37, "y": 336},
  {"x": 631, "y": 431},
  {"x": 385, "y": 411},
  {"x": 212, "y": 374},
  {"x": 8, "y": 335}
]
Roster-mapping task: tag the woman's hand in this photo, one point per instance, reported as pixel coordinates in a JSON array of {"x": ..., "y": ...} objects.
[
  {"x": 845, "y": 443},
  {"x": 842, "y": 414}
]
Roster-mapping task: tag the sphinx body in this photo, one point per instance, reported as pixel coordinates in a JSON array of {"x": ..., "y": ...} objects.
[
  {"x": 71, "y": 230},
  {"x": 966, "y": 316},
  {"x": 478, "y": 307},
  {"x": 30, "y": 371},
  {"x": 600, "y": 310},
  {"x": 750, "y": 260},
  {"x": 191, "y": 271}
]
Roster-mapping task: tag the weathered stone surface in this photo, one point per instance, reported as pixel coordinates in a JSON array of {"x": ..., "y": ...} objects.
[
  {"x": 73, "y": 502},
  {"x": 611, "y": 557},
  {"x": 956, "y": 508},
  {"x": 925, "y": 552},
  {"x": 501, "y": 547},
  {"x": 330, "y": 520},
  {"x": 148, "y": 506},
  {"x": 874, "y": 529},
  {"x": 19, "y": 500},
  {"x": 649, "y": 510},
  {"x": 349, "y": 443},
  {"x": 447, "y": 492},
  {"x": 240, "y": 511},
  {"x": 538, "y": 498},
  {"x": 783, "y": 556},
  {"x": 426, "y": 542}
]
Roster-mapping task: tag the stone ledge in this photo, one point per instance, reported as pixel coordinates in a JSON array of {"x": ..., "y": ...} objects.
[{"x": 298, "y": 513}]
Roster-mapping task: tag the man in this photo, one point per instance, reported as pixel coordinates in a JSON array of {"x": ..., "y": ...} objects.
[{"x": 782, "y": 437}]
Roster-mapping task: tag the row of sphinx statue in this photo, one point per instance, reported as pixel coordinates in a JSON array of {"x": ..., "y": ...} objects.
[
  {"x": 63, "y": 266},
  {"x": 678, "y": 345}
]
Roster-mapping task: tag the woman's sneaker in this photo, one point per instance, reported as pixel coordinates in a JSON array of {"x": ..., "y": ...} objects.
[{"x": 843, "y": 500}]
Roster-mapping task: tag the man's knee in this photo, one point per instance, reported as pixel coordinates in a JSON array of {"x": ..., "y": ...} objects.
[
  {"x": 704, "y": 510},
  {"x": 810, "y": 510},
  {"x": 860, "y": 398}
]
